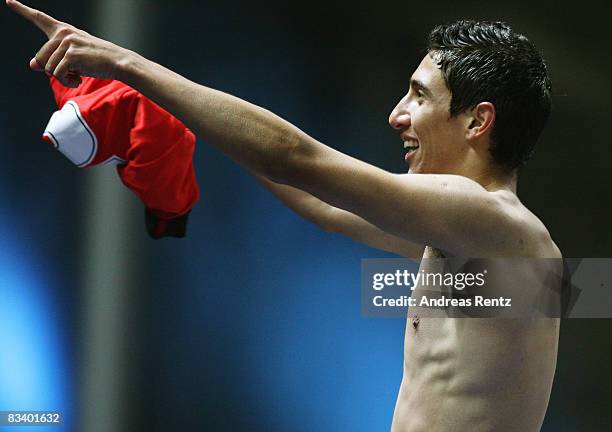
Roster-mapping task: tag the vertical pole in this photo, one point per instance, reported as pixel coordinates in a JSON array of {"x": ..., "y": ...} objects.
[{"x": 113, "y": 221}]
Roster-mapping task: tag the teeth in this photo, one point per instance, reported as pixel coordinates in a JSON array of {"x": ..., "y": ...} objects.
[{"x": 410, "y": 145}]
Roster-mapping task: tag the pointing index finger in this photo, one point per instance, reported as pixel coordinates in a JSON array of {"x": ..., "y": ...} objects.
[{"x": 40, "y": 19}]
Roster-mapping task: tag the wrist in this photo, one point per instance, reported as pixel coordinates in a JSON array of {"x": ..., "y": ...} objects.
[{"x": 126, "y": 66}]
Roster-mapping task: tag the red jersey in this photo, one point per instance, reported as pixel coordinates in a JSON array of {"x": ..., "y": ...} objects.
[{"x": 107, "y": 122}]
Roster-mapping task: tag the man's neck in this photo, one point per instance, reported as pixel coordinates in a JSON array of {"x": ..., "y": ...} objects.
[{"x": 497, "y": 180}]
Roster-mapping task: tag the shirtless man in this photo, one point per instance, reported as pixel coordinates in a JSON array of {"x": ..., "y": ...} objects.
[{"x": 475, "y": 107}]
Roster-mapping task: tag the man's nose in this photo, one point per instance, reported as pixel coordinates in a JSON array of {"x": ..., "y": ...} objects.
[{"x": 399, "y": 117}]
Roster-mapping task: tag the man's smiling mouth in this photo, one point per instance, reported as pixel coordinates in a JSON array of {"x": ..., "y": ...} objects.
[{"x": 411, "y": 146}]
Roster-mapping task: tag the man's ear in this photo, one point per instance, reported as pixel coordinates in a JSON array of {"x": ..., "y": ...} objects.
[{"x": 481, "y": 120}]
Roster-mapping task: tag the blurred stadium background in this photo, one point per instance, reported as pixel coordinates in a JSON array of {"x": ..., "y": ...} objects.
[{"x": 253, "y": 321}]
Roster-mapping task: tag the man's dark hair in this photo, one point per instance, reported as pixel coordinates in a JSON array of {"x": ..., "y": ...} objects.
[{"x": 487, "y": 61}]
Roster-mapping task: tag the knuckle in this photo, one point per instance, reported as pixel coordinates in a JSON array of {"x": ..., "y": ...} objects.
[{"x": 63, "y": 31}]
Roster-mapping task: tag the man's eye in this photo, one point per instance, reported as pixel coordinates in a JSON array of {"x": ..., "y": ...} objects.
[{"x": 420, "y": 94}]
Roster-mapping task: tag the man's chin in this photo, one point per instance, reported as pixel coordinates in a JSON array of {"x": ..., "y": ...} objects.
[
  {"x": 415, "y": 169},
  {"x": 415, "y": 166}
]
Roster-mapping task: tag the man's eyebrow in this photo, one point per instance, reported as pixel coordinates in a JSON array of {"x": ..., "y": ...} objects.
[{"x": 415, "y": 83}]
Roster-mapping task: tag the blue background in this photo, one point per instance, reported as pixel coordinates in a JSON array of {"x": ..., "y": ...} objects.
[{"x": 253, "y": 321}]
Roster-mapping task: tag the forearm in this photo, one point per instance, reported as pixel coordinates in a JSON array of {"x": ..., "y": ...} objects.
[
  {"x": 303, "y": 203},
  {"x": 252, "y": 136}
]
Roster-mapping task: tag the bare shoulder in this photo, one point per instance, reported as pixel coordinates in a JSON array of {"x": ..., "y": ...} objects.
[{"x": 527, "y": 236}]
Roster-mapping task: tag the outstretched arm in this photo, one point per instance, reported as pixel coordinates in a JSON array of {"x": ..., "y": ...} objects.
[
  {"x": 335, "y": 220},
  {"x": 452, "y": 213}
]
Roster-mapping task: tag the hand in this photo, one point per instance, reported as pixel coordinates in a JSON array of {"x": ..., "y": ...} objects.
[{"x": 71, "y": 52}]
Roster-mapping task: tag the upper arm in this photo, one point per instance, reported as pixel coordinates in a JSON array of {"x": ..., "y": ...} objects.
[
  {"x": 349, "y": 224},
  {"x": 450, "y": 212},
  {"x": 339, "y": 221}
]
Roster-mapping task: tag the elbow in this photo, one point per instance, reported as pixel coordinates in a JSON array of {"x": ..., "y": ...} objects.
[
  {"x": 328, "y": 220},
  {"x": 329, "y": 226},
  {"x": 290, "y": 156}
]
